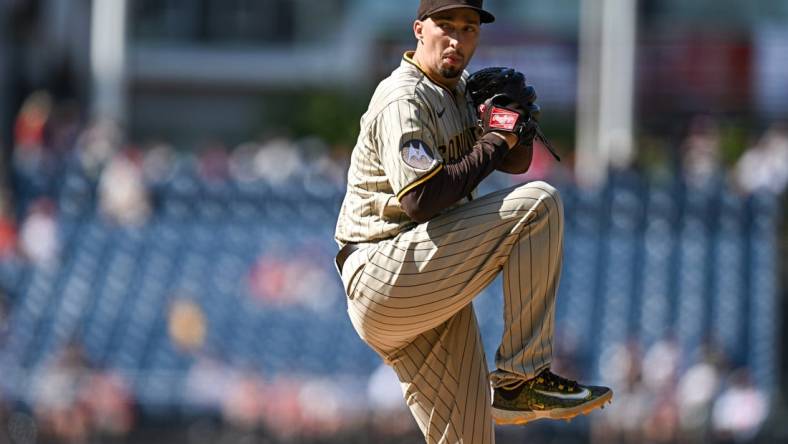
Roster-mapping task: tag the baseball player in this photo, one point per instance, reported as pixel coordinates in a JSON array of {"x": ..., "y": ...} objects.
[{"x": 417, "y": 245}]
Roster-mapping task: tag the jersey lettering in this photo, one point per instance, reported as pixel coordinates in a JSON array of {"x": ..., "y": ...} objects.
[
  {"x": 460, "y": 144},
  {"x": 411, "y": 126}
]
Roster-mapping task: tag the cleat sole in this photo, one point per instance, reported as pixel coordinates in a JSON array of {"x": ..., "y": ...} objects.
[{"x": 516, "y": 417}]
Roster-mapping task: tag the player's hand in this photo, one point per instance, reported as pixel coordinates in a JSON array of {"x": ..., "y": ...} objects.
[
  {"x": 507, "y": 118},
  {"x": 511, "y": 139}
]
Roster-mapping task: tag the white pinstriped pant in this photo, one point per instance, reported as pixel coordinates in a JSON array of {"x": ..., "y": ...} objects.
[{"x": 410, "y": 299}]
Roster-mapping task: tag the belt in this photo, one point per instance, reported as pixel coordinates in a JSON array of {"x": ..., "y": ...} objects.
[{"x": 345, "y": 253}]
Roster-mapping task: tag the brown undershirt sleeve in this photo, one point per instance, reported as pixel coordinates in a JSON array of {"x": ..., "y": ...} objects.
[
  {"x": 455, "y": 180},
  {"x": 518, "y": 160}
]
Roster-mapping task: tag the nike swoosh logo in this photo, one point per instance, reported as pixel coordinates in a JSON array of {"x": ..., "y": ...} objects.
[
  {"x": 582, "y": 394},
  {"x": 440, "y": 113}
]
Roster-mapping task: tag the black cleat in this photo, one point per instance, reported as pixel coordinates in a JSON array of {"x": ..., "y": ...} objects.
[{"x": 546, "y": 396}]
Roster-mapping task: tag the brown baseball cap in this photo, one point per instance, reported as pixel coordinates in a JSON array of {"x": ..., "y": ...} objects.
[{"x": 429, "y": 7}]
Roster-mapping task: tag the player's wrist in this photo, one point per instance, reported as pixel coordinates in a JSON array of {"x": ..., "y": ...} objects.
[{"x": 510, "y": 138}]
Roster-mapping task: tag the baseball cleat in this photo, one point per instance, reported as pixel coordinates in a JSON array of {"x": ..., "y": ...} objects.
[{"x": 546, "y": 396}]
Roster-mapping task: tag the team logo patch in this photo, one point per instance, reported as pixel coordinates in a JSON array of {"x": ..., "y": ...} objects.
[
  {"x": 417, "y": 154},
  {"x": 503, "y": 119}
]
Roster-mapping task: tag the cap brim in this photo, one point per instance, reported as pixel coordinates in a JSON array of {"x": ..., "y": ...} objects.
[{"x": 484, "y": 16}]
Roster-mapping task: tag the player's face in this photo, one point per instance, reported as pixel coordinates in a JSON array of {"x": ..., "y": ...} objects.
[{"x": 448, "y": 40}]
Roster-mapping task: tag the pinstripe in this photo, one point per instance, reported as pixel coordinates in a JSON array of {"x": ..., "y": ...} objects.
[
  {"x": 493, "y": 237},
  {"x": 410, "y": 296},
  {"x": 457, "y": 338},
  {"x": 463, "y": 367},
  {"x": 549, "y": 259},
  {"x": 445, "y": 299},
  {"x": 474, "y": 413},
  {"x": 399, "y": 96},
  {"x": 508, "y": 315},
  {"x": 441, "y": 283},
  {"x": 440, "y": 286},
  {"x": 439, "y": 235},
  {"x": 432, "y": 230},
  {"x": 419, "y": 384},
  {"x": 431, "y": 317},
  {"x": 531, "y": 284},
  {"x": 436, "y": 356},
  {"x": 434, "y": 270}
]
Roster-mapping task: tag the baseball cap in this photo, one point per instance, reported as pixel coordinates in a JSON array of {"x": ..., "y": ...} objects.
[{"x": 429, "y": 7}]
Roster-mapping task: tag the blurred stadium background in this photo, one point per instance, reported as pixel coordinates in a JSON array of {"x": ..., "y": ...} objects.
[{"x": 171, "y": 171}]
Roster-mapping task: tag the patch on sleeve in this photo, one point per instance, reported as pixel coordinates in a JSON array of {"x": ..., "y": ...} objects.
[{"x": 416, "y": 154}]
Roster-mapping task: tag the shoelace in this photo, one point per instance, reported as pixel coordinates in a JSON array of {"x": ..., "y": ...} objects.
[{"x": 554, "y": 380}]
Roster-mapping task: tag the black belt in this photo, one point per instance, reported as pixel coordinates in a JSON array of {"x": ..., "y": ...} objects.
[{"x": 345, "y": 253}]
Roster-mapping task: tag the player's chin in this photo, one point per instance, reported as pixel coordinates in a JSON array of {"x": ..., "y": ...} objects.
[
  {"x": 452, "y": 68},
  {"x": 450, "y": 72}
]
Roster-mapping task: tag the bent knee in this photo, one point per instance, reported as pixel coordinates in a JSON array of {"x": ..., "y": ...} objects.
[
  {"x": 542, "y": 192},
  {"x": 544, "y": 188}
]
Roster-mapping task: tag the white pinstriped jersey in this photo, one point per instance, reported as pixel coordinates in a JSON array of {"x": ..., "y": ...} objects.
[{"x": 413, "y": 126}]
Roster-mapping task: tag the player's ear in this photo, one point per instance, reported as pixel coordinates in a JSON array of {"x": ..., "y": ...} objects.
[{"x": 418, "y": 29}]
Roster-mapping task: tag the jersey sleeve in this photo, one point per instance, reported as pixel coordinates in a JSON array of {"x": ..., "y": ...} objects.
[{"x": 407, "y": 145}]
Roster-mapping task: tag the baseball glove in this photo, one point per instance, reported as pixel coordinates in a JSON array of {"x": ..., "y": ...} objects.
[
  {"x": 490, "y": 82},
  {"x": 501, "y": 113}
]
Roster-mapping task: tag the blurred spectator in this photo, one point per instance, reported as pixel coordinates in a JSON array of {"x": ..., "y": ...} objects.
[
  {"x": 33, "y": 161},
  {"x": 241, "y": 163},
  {"x": 158, "y": 163},
  {"x": 282, "y": 410},
  {"x": 660, "y": 376},
  {"x": 74, "y": 403},
  {"x": 108, "y": 402},
  {"x": 244, "y": 402},
  {"x": 740, "y": 410},
  {"x": 624, "y": 364},
  {"x": 186, "y": 324},
  {"x": 662, "y": 425},
  {"x": 45, "y": 130},
  {"x": 624, "y": 420},
  {"x": 660, "y": 366},
  {"x": 278, "y": 160},
  {"x": 765, "y": 165},
  {"x": 296, "y": 278},
  {"x": 44, "y": 134},
  {"x": 38, "y": 235},
  {"x": 8, "y": 233},
  {"x": 267, "y": 279},
  {"x": 97, "y": 144},
  {"x": 208, "y": 383},
  {"x": 213, "y": 163},
  {"x": 321, "y": 404},
  {"x": 332, "y": 165},
  {"x": 30, "y": 124},
  {"x": 701, "y": 161},
  {"x": 58, "y": 407},
  {"x": 122, "y": 194},
  {"x": 655, "y": 403},
  {"x": 695, "y": 394}
]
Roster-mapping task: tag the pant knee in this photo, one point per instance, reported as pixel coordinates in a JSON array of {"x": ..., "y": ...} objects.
[{"x": 543, "y": 194}]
